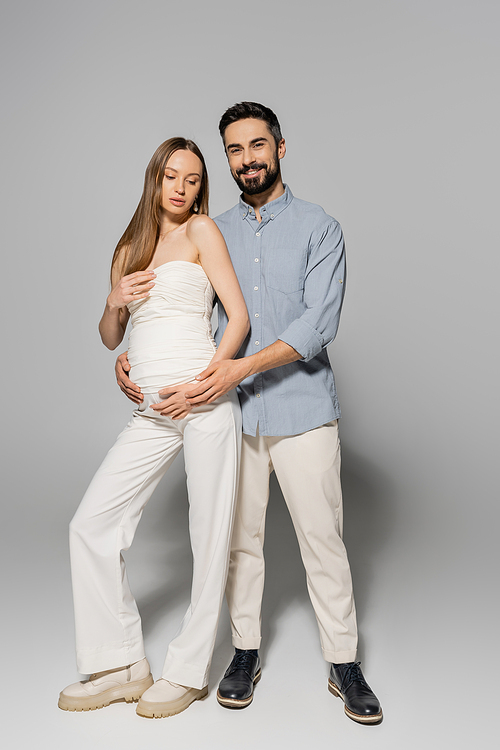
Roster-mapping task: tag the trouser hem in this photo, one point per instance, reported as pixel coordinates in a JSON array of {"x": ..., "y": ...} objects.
[
  {"x": 247, "y": 643},
  {"x": 187, "y": 675},
  {"x": 112, "y": 658},
  {"x": 339, "y": 657}
]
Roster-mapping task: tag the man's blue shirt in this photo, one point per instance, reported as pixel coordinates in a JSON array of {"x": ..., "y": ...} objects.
[{"x": 291, "y": 269}]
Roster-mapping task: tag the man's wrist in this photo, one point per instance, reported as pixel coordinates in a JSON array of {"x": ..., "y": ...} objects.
[
  {"x": 277, "y": 354},
  {"x": 248, "y": 366}
]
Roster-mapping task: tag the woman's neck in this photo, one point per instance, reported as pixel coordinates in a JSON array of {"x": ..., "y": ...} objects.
[{"x": 169, "y": 223}]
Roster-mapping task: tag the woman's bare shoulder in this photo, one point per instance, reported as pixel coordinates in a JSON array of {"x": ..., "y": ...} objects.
[{"x": 201, "y": 225}]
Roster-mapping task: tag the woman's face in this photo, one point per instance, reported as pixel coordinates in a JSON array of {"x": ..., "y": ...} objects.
[{"x": 181, "y": 182}]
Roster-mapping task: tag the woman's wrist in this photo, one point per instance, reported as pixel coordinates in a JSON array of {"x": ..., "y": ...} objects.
[{"x": 111, "y": 308}]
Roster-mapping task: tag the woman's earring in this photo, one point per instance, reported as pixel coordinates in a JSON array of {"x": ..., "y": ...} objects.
[{"x": 195, "y": 205}]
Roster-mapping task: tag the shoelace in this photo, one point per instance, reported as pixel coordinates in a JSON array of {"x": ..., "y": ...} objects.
[
  {"x": 352, "y": 674},
  {"x": 243, "y": 661}
]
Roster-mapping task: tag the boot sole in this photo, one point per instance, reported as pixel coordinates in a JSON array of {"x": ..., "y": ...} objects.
[
  {"x": 161, "y": 711},
  {"x": 233, "y": 702},
  {"x": 374, "y": 719},
  {"x": 129, "y": 693}
]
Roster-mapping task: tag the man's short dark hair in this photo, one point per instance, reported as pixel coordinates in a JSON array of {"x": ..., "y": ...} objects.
[{"x": 254, "y": 111}]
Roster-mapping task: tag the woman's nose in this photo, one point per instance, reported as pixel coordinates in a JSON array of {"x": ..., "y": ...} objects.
[{"x": 180, "y": 189}]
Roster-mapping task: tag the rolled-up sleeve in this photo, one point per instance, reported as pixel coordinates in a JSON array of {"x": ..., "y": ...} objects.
[{"x": 324, "y": 287}]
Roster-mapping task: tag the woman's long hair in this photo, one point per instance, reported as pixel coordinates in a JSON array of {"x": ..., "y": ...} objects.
[{"x": 136, "y": 247}]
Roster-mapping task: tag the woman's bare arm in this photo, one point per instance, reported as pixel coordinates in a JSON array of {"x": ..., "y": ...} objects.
[
  {"x": 216, "y": 262},
  {"x": 125, "y": 289}
]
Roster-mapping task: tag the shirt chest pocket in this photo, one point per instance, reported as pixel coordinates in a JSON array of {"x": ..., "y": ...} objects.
[{"x": 284, "y": 272}]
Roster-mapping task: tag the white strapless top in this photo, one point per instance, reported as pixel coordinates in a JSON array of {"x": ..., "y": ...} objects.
[{"x": 171, "y": 338}]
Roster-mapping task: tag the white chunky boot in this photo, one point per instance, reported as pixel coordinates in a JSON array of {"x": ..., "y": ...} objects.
[
  {"x": 166, "y": 698},
  {"x": 102, "y": 688}
]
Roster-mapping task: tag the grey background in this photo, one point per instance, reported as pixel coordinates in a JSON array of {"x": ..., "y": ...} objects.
[{"x": 390, "y": 113}]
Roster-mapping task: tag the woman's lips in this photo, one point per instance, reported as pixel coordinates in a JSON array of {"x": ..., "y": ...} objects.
[{"x": 177, "y": 201}]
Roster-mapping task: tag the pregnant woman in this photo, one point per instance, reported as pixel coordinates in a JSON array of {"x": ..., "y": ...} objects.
[{"x": 166, "y": 270}]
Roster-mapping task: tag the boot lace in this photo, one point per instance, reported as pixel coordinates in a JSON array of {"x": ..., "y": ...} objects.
[
  {"x": 352, "y": 674},
  {"x": 243, "y": 661}
]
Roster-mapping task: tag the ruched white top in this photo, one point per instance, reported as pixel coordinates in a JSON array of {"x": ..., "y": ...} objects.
[{"x": 171, "y": 338}]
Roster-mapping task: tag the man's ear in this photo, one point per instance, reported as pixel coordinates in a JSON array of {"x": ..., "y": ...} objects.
[{"x": 281, "y": 148}]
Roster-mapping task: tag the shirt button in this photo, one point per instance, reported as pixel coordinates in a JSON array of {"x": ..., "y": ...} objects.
[
  {"x": 257, "y": 395},
  {"x": 256, "y": 288},
  {"x": 256, "y": 260},
  {"x": 257, "y": 234},
  {"x": 257, "y": 343},
  {"x": 272, "y": 216},
  {"x": 256, "y": 315}
]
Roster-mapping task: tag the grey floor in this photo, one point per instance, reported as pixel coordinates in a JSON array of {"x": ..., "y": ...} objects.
[{"x": 425, "y": 698}]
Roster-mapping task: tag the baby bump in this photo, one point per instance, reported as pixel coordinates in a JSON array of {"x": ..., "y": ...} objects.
[{"x": 167, "y": 356}]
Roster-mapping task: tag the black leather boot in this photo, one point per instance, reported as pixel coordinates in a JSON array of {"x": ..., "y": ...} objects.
[
  {"x": 361, "y": 704},
  {"x": 236, "y": 687}
]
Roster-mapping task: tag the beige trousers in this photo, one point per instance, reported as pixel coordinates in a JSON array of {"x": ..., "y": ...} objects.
[
  {"x": 108, "y": 624},
  {"x": 307, "y": 467}
]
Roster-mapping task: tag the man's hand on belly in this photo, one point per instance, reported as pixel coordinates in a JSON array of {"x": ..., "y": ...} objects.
[
  {"x": 219, "y": 378},
  {"x": 223, "y": 375},
  {"x": 175, "y": 405}
]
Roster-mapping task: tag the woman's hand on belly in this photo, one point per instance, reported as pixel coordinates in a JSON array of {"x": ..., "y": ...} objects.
[{"x": 174, "y": 405}]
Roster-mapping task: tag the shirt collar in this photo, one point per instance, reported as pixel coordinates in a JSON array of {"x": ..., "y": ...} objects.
[{"x": 269, "y": 210}]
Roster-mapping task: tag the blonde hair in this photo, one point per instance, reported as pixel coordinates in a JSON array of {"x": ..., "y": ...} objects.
[{"x": 138, "y": 242}]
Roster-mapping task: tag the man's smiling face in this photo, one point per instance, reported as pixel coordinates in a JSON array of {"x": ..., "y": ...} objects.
[{"x": 253, "y": 155}]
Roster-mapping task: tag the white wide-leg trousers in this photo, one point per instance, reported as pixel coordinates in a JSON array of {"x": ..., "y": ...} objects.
[
  {"x": 307, "y": 467},
  {"x": 108, "y": 625}
]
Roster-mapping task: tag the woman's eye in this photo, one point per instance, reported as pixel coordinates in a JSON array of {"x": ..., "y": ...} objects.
[{"x": 169, "y": 177}]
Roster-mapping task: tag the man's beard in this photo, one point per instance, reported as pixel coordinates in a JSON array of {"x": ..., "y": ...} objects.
[{"x": 260, "y": 183}]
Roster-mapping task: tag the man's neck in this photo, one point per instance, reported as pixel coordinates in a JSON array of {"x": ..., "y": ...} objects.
[{"x": 261, "y": 199}]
